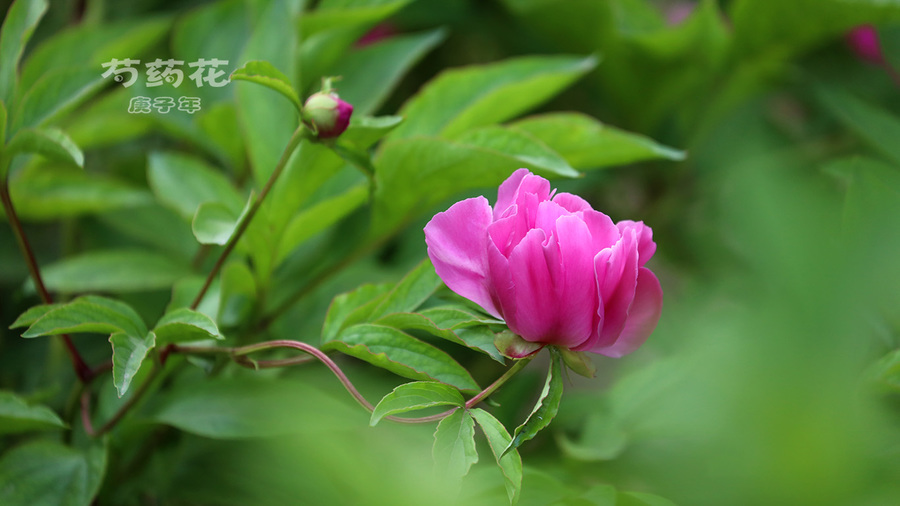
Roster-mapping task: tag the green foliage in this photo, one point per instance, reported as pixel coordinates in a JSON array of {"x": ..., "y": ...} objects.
[
  {"x": 454, "y": 445},
  {"x": 16, "y": 415},
  {"x": 414, "y": 396},
  {"x": 546, "y": 407},
  {"x": 47, "y": 472},
  {"x": 262, "y": 72}
]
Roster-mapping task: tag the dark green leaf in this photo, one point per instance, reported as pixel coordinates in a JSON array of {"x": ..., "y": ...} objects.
[
  {"x": 589, "y": 144},
  {"x": 114, "y": 271},
  {"x": 415, "y": 396},
  {"x": 510, "y": 463},
  {"x": 401, "y": 354},
  {"x": 183, "y": 324},
  {"x": 460, "y": 99},
  {"x": 90, "y": 313},
  {"x": 50, "y": 142},
  {"x": 32, "y": 315},
  {"x": 21, "y": 19},
  {"x": 318, "y": 217},
  {"x": 183, "y": 182},
  {"x": 454, "y": 445},
  {"x": 16, "y": 415},
  {"x": 129, "y": 352},
  {"x": 545, "y": 408},
  {"x": 264, "y": 73},
  {"x": 48, "y": 473}
]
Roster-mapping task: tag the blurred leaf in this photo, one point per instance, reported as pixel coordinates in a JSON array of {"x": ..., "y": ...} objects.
[
  {"x": 602, "y": 436},
  {"x": 369, "y": 74},
  {"x": 154, "y": 225},
  {"x": 105, "y": 121},
  {"x": 183, "y": 324},
  {"x": 264, "y": 73},
  {"x": 454, "y": 445},
  {"x": 410, "y": 292},
  {"x": 510, "y": 463},
  {"x": 320, "y": 216},
  {"x": 447, "y": 323},
  {"x": 50, "y": 142},
  {"x": 460, "y": 99},
  {"x": 528, "y": 149},
  {"x": 876, "y": 127},
  {"x": 238, "y": 294},
  {"x": 129, "y": 352},
  {"x": 183, "y": 182},
  {"x": 115, "y": 271},
  {"x": 32, "y": 315},
  {"x": 21, "y": 19},
  {"x": 589, "y": 144},
  {"x": 414, "y": 396},
  {"x": 401, "y": 354},
  {"x": 17, "y": 415},
  {"x": 185, "y": 290},
  {"x": 57, "y": 92},
  {"x": 49, "y": 473},
  {"x": 364, "y": 131},
  {"x": 545, "y": 408},
  {"x": 330, "y": 15},
  {"x": 352, "y": 307},
  {"x": 3, "y": 123},
  {"x": 598, "y": 495},
  {"x": 220, "y": 124},
  {"x": 89, "y": 313},
  {"x": 641, "y": 499},
  {"x": 48, "y": 193}
]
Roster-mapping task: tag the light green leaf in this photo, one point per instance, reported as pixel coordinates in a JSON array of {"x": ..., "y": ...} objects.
[
  {"x": 447, "y": 323},
  {"x": 50, "y": 142},
  {"x": 56, "y": 93},
  {"x": 264, "y": 73},
  {"x": 454, "y": 445},
  {"x": 364, "y": 131},
  {"x": 129, "y": 352},
  {"x": 401, "y": 354},
  {"x": 589, "y": 144},
  {"x": 90, "y": 313},
  {"x": 410, "y": 292},
  {"x": 49, "y": 473},
  {"x": 510, "y": 463},
  {"x": 183, "y": 182},
  {"x": 17, "y": 415},
  {"x": 215, "y": 223},
  {"x": 32, "y": 315},
  {"x": 369, "y": 74},
  {"x": 320, "y": 216},
  {"x": 351, "y": 308},
  {"x": 183, "y": 324},
  {"x": 874, "y": 125},
  {"x": 116, "y": 271},
  {"x": 21, "y": 19},
  {"x": 460, "y": 99},
  {"x": 546, "y": 407},
  {"x": 528, "y": 149},
  {"x": 415, "y": 396},
  {"x": 105, "y": 121},
  {"x": 641, "y": 499}
]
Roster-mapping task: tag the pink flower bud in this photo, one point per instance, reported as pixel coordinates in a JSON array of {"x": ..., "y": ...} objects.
[
  {"x": 864, "y": 42},
  {"x": 328, "y": 114},
  {"x": 559, "y": 272}
]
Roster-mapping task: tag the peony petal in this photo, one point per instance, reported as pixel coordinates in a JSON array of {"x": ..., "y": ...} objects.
[
  {"x": 576, "y": 291},
  {"x": 521, "y": 182},
  {"x": 604, "y": 232},
  {"x": 547, "y": 214},
  {"x": 508, "y": 230},
  {"x": 572, "y": 203},
  {"x": 642, "y": 316},
  {"x": 536, "y": 303},
  {"x": 457, "y": 245},
  {"x": 503, "y": 292},
  {"x": 646, "y": 246}
]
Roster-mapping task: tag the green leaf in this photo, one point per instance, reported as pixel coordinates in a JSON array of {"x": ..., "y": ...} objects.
[
  {"x": 238, "y": 294},
  {"x": 90, "y": 313},
  {"x": 21, "y": 19},
  {"x": 364, "y": 131},
  {"x": 369, "y": 74},
  {"x": 579, "y": 362},
  {"x": 116, "y": 271},
  {"x": 182, "y": 183},
  {"x": 334, "y": 15},
  {"x": 17, "y": 415},
  {"x": 545, "y": 408},
  {"x": 524, "y": 147},
  {"x": 510, "y": 463},
  {"x": 155, "y": 226},
  {"x": 460, "y": 99},
  {"x": 589, "y": 144},
  {"x": 49, "y": 473},
  {"x": 451, "y": 324},
  {"x": 602, "y": 436},
  {"x": 410, "y": 292},
  {"x": 414, "y": 396},
  {"x": 511, "y": 345},
  {"x": 183, "y": 324},
  {"x": 32, "y": 315},
  {"x": 56, "y": 93},
  {"x": 320, "y": 216},
  {"x": 4, "y": 116},
  {"x": 454, "y": 445},
  {"x": 50, "y": 142},
  {"x": 401, "y": 354},
  {"x": 129, "y": 352},
  {"x": 264, "y": 73},
  {"x": 43, "y": 192},
  {"x": 876, "y": 127},
  {"x": 641, "y": 499},
  {"x": 215, "y": 223},
  {"x": 351, "y": 308}
]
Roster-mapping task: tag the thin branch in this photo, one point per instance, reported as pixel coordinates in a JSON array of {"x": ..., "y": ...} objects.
[{"x": 121, "y": 412}]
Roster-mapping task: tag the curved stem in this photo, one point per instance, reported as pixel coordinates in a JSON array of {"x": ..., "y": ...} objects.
[
  {"x": 121, "y": 412},
  {"x": 299, "y": 134}
]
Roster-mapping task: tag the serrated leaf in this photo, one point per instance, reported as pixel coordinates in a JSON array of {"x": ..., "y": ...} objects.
[
  {"x": 50, "y": 142},
  {"x": 46, "y": 472},
  {"x": 264, "y": 73},
  {"x": 401, "y": 354},
  {"x": 129, "y": 352},
  {"x": 18, "y": 25},
  {"x": 32, "y": 315},
  {"x": 589, "y": 144},
  {"x": 183, "y": 324},
  {"x": 114, "y": 271},
  {"x": 454, "y": 449},
  {"x": 545, "y": 408},
  {"x": 352, "y": 307},
  {"x": 318, "y": 217},
  {"x": 510, "y": 463},
  {"x": 511, "y": 345},
  {"x": 451, "y": 324},
  {"x": 17, "y": 415},
  {"x": 414, "y": 396},
  {"x": 90, "y": 313}
]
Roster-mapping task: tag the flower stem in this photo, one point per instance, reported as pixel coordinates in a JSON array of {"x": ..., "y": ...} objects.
[
  {"x": 299, "y": 134},
  {"x": 123, "y": 409}
]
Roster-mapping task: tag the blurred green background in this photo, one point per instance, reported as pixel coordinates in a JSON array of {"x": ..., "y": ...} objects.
[{"x": 773, "y": 377}]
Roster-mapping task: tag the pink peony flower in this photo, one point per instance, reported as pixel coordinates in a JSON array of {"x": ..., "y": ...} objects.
[
  {"x": 559, "y": 272},
  {"x": 328, "y": 113}
]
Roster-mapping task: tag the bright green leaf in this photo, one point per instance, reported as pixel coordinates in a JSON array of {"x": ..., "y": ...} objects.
[
  {"x": 510, "y": 463},
  {"x": 415, "y": 396},
  {"x": 352, "y": 307},
  {"x": 49, "y": 473},
  {"x": 129, "y": 352},
  {"x": 21, "y": 19},
  {"x": 320, "y": 216},
  {"x": 410, "y": 292},
  {"x": 17, "y": 415},
  {"x": 447, "y": 323},
  {"x": 50, "y": 142},
  {"x": 364, "y": 131},
  {"x": 264, "y": 73},
  {"x": 32, "y": 315},
  {"x": 90, "y": 313},
  {"x": 214, "y": 223},
  {"x": 545, "y": 408},
  {"x": 528, "y": 149},
  {"x": 454, "y": 445},
  {"x": 113, "y": 271},
  {"x": 183, "y": 324}
]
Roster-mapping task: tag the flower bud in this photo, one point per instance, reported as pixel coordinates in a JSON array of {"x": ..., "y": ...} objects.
[{"x": 328, "y": 114}]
